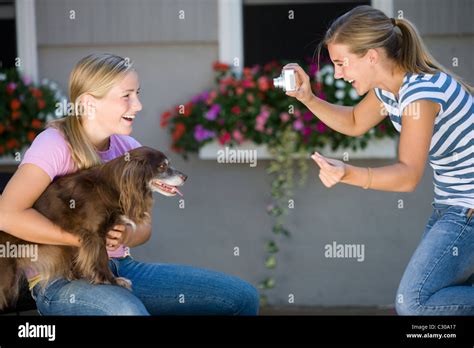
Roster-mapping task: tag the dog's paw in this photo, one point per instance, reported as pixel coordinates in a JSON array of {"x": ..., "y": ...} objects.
[{"x": 126, "y": 283}]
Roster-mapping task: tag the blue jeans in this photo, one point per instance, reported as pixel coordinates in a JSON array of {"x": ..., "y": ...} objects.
[
  {"x": 157, "y": 289},
  {"x": 438, "y": 278}
]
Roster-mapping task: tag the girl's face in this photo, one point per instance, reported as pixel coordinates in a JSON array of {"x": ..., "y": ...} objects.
[
  {"x": 351, "y": 67},
  {"x": 115, "y": 113}
]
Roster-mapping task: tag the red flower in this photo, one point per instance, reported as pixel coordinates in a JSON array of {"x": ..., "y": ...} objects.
[
  {"x": 235, "y": 110},
  {"x": 224, "y": 138},
  {"x": 31, "y": 136},
  {"x": 248, "y": 73},
  {"x": 263, "y": 83},
  {"x": 16, "y": 115},
  {"x": 188, "y": 108},
  {"x": 2, "y": 149},
  {"x": 178, "y": 132},
  {"x": 36, "y": 92},
  {"x": 36, "y": 124},
  {"x": 2, "y": 128},
  {"x": 41, "y": 104},
  {"x": 165, "y": 116},
  {"x": 248, "y": 84},
  {"x": 218, "y": 66},
  {"x": 15, "y": 104},
  {"x": 12, "y": 143}
]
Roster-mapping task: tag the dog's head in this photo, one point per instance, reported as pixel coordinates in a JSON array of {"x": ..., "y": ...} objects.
[{"x": 158, "y": 175}]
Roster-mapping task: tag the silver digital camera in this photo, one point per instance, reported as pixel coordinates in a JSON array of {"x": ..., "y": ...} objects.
[{"x": 286, "y": 81}]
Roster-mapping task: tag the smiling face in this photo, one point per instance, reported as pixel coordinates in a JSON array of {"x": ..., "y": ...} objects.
[
  {"x": 360, "y": 71},
  {"x": 116, "y": 111}
]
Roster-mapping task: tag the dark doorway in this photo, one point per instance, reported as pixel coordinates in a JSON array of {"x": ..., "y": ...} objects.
[
  {"x": 274, "y": 32},
  {"x": 8, "y": 30}
]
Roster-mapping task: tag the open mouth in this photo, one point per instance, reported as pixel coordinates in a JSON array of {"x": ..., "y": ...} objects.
[
  {"x": 129, "y": 118},
  {"x": 165, "y": 188}
]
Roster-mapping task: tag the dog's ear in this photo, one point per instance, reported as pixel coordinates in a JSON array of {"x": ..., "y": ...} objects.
[{"x": 132, "y": 186}]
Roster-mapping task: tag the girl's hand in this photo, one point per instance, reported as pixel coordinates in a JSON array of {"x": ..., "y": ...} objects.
[
  {"x": 120, "y": 234},
  {"x": 331, "y": 171},
  {"x": 303, "y": 87}
]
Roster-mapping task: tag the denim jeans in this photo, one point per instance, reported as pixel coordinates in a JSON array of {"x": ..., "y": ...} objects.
[
  {"x": 438, "y": 278},
  {"x": 157, "y": 289}
]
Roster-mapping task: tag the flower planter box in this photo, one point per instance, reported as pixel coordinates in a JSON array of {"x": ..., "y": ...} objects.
[
  {"x": 10, "y": 160},
  {"x": 376, "y": 149}
]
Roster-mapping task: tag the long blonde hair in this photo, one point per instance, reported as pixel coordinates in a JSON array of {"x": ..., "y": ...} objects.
[
  {"x": 365, "y": 27},
  {"x": 94, "y": 74}
]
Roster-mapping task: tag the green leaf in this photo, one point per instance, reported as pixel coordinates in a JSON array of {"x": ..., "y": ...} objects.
[
  {"x": 271, "y": 247},
  {"x": 270, "y": 262},
  {"x": 267, "y": 283}
]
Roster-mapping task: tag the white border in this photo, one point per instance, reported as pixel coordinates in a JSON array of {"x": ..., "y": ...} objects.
[
  {"x": 230, "y": 33},
  {"x": 26, "y": 38}
]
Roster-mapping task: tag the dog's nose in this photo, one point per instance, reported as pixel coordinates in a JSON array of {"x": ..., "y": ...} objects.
[{"x": 183, "y": 176}]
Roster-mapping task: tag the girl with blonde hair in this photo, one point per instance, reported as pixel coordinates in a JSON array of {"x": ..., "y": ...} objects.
[{"x": 104, "y": 89}]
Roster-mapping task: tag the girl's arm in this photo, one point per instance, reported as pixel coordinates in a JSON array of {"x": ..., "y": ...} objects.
[
  {"x": 348, "y": 120},
  {"x": 415, "y": 140},
  {"x": 18, "y": 218}
]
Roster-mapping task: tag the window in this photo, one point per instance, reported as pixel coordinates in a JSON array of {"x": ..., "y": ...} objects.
[
  {"x": 8, "y": 52},
  {"x": 270, "y": 33}
]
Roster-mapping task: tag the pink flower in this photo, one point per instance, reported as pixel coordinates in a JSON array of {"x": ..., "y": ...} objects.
[
  {"x": 239, "y": 138},
  {"x": 11, "y": 86},
  {"x": 284, "y": 117},
  {"x": 263, "y": 83},
  {"x": 248, "y": 84},
  {"x": 250, "y": 98}
]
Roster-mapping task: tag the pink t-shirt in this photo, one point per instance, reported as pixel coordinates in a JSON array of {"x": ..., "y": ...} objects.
[{"x": 50, "y": 152}]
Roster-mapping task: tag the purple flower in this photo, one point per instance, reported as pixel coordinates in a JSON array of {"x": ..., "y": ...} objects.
[
  {"x": 200, "y": 133},
  {"x": 312, "y": 69},
  {"x": 200, "y": 97},
  {"x": 306, "y": 131},
  {"x": 211, "y": 115},
  {"x": 298, "y": 125},
  {"x": 26, "y": 80},
  {"x": 321, "y": 127},
  {"x": 307, "y": 116}
]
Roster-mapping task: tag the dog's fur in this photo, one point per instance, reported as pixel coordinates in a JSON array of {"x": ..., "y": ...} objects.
[{"x": 88, "y": 204}]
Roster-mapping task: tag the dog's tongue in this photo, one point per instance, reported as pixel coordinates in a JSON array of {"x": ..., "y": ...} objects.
[{"x": 178, "y": 191}]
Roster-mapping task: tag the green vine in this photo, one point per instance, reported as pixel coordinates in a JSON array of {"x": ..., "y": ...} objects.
[{"x": 284, "y": 153}]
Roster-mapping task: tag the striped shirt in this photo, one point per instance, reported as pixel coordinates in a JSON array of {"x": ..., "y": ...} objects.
[{"x": 451, "y": 152}]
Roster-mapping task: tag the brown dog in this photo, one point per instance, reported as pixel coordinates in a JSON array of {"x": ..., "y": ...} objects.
[{"x": 88, "y": 204}]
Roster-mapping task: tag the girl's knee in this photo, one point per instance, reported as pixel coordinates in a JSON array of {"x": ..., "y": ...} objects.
[
  {"x": 249, "y": 300},
  {"x": 126, "y": 308}
]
